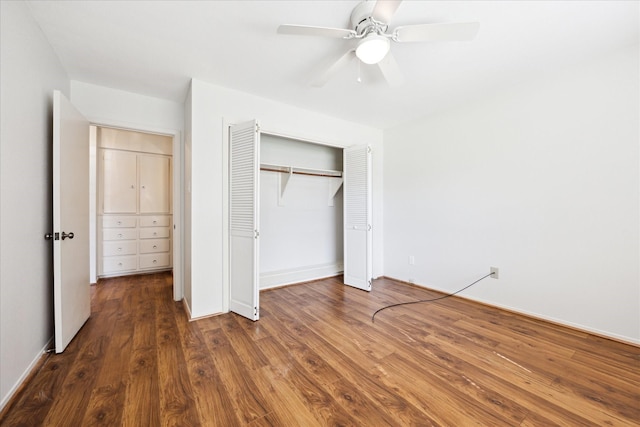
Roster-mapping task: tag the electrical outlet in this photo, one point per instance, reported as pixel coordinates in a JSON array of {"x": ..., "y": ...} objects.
[
  {"x": 412, "y": 260},
  {"x": 495, "y": 273}
]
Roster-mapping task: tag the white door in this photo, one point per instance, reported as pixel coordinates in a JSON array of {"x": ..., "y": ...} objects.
[
  {"x": 72, "y": 305},
  {"x": 244, "y": 153},
  {"x": 357, "y": 217}
]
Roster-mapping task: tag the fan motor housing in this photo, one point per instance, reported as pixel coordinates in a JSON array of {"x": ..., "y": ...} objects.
[{"x": 361, "y": 17}]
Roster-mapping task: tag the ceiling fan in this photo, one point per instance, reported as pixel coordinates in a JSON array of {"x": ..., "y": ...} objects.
[{"x": 371, "y": 43}]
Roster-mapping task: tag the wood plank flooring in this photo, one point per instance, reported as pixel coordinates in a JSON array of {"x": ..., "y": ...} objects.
[{"x": 316, "y": 359}]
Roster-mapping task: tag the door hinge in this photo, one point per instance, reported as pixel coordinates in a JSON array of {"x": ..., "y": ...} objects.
[
  {"x": 257, "y": 128},
  {"x": 256, "y": 234},
  {"x": 255, "y": 311},
  {"x": 368, "y": 149}
]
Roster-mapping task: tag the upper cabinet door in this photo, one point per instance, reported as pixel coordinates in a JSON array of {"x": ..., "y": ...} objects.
[
  {"x": 119, "y": 182},
  {"x": 155, "y": 184}
]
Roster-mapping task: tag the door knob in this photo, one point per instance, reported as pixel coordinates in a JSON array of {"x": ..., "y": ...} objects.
[{"x": 65, "y": 235}]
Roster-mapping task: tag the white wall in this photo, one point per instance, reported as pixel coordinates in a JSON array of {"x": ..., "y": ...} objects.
[
  {"x": 103, "y": 105},
  {"x": 301, "y": 233},
  {"x": 29, "y": 73},
  {"x": 540, "y": 180},
  {"x": 210, "y": 106}
]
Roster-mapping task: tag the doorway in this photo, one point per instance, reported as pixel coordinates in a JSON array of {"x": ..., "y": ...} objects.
[{"x": 136, "y": 203}]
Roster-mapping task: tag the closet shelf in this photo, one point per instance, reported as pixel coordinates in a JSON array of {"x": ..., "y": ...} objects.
[
  {"x": 300, "y": 171},
  {"x": 288, "y": 171}
]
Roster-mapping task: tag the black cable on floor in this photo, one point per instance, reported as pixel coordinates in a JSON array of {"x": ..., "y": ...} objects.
[{"x": 429, "y": 300}]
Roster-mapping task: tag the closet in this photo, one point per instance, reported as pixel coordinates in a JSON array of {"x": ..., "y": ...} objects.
[
  {"x": 301, "y": 211},
  {"x": 299, "y": 197},
  {"x": 134, "y": 202}
]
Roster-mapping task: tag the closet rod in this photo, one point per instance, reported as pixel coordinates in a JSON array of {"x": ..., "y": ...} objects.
[{"x": 299, "y": 172}]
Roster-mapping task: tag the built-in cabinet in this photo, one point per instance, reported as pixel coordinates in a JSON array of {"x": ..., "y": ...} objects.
[{"x": 134, "y": 203}]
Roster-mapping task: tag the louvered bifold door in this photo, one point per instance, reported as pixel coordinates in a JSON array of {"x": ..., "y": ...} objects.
[
  {"x": 244, "y": 141},
  {"x": 357, "y": 217}
]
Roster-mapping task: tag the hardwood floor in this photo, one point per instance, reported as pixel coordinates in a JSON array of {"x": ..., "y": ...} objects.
[{"x": 316, "y": 359}]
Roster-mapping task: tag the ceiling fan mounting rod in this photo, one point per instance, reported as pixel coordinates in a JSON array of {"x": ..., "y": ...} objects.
[{"x": 368, "y": 26}]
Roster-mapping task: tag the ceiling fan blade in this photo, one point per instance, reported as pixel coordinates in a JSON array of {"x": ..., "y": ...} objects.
[
  {"x": 384, "y": 10},
  {"x": 306, "y": 30},
  {"x": 333, "y": 69},
  {"x": 437, "y": 32},
  {"x": 391, "y": 70}
]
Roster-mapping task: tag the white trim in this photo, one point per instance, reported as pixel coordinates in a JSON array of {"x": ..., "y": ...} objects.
[
  {"x": 25, "y": 374},
  {"x": 577, "y": 326},
  {"x": 274, "y": 279},
  {"x": 226, "y": 123},
  {"x": 185, "y": 304}
]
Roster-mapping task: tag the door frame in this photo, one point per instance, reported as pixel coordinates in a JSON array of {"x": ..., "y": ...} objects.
[
  {"x": 177, "y": 193},
  {"x": 266, "y": 130}
]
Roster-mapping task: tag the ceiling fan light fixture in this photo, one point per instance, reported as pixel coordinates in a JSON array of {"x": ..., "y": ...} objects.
[{"x": 373, "y": 48}]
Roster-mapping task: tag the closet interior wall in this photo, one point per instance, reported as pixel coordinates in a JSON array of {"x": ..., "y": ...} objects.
[{"x": 301, "y": 216}]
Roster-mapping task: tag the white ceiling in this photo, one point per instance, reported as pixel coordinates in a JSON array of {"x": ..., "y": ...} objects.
[{"x": 156, "y": 47}]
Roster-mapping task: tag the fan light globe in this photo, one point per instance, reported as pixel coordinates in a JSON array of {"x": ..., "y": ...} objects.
[{"x": 372, "y": 49}]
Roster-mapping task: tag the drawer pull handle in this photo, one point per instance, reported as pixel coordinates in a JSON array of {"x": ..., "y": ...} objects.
[
  {"x": 119, "y": 249},
  {"x": 120, "y": 264},
  {"x": 155, "y": 246},
  {"x": 155, "y": 222},
  {"x": 119, "y": 222},
  {"x": 119, "y": 235},
  {"x": 155, "y": 261},
  {"x": 155, "y": 234}
]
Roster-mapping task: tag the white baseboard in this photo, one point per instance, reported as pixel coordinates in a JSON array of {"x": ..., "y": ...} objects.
[
  {"x": 576, "y": 326},
  {"x": 274, "y": 279},
  {"x": 185, "y": 304},
  {"x": 25, "y": 374}
]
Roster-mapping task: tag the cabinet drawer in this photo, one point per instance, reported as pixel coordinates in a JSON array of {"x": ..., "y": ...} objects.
[
  {"x": 154, "y": 260},
  {"x": 119, "y": 234},
  {"x": 127, "y": 247},
  {"x": 154, "y": 245},
  {"x": 154, "y": 221},
  {"x": 154, "y": 232},
  {"x": 119, "y": 263},
  {"x": 118, "y": 222}
]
